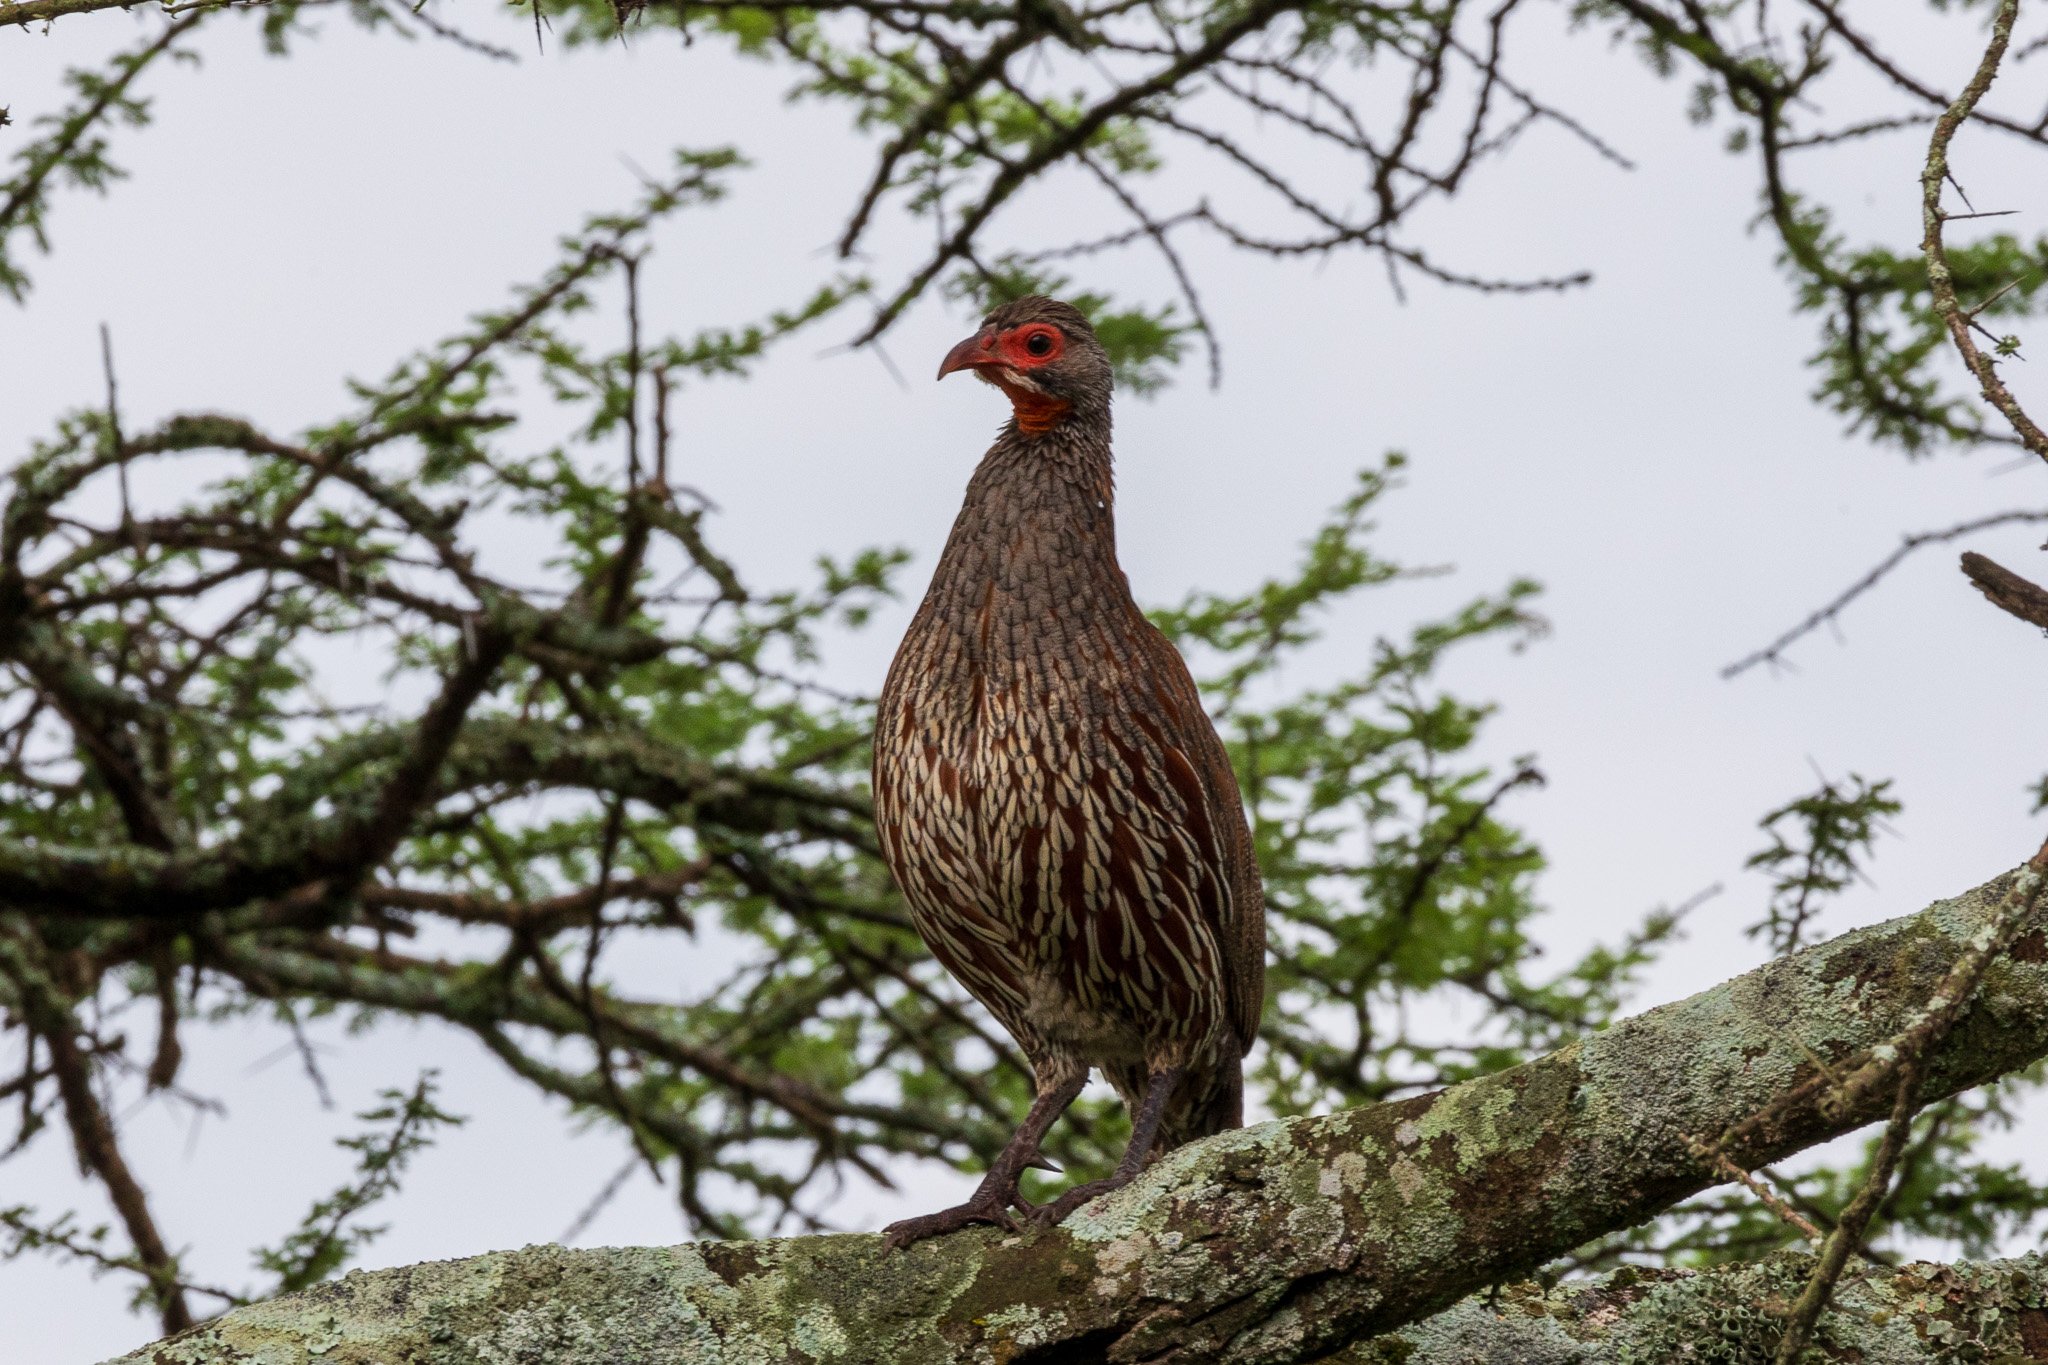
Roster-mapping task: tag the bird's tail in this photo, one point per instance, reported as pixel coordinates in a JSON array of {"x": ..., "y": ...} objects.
[{"x": 1210, "y": 1101}]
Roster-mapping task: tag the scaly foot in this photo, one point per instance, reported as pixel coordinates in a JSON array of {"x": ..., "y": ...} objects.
[
  {"x": 982, "y": 1208},
  {"x": 1055, "y": 1212}
]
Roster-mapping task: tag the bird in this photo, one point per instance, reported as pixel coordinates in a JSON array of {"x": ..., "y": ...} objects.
[{"x": 1051, "y": 797}]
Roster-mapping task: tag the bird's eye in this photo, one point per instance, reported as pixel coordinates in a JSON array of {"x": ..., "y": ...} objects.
[{"x": 1039, "y": 343}]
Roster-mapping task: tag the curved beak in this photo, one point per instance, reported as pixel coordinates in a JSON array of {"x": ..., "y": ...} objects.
[{"x": 979, "y": 349}]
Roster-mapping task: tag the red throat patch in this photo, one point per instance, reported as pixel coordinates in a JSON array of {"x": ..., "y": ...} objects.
[{"x": 1037, "y": 413}]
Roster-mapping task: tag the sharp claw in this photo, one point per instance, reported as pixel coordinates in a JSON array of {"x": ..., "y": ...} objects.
[
  {"x": 1056, "y": 1211},
  {"x": 912, "y": 1230}
]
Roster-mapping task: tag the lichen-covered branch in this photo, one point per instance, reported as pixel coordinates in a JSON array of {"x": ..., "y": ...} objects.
[
  {"x": 1905, "y": 1314},
  {"x": 1282, "y": 1242},
  {"x": 587, "y": 1307}
]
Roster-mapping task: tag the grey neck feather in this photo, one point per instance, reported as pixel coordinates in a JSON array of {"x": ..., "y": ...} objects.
[{"x": 1038, "y": 525}]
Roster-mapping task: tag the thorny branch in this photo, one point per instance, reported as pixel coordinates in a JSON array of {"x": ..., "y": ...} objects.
[
  {"x": 199, "y": 819},
  {"x": 93, "y": 1135},
  {"x": 1899, "y": 1065},
  {"x": 1766, "y": 1196},
  {"x": 605, "y": 748},
  {"x": 1940, "y": 273},
  {"x": 1773, "y": 654},
  {"x": 1307, "y": 1239},
  {"x": 1893, "y": 394}
]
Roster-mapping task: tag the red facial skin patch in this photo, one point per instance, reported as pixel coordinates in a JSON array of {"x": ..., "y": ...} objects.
[{"x": 1022, "y": 350}]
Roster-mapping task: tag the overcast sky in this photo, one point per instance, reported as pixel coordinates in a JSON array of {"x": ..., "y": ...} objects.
[{"x": 1644, "y": 447}]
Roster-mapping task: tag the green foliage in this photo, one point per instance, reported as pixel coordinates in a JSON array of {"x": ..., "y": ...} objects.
[
  {"x": 621, "y": 744},
  {"x": 1391, "y": 875},
  {"x": 228, "y": 768},
  {"x": 329, "y": 1236},
  {"x": 1144, "y": 344},
  {"x": 64, "y": 1237},
  {"x": 1817, "y": 842},
  {"x": 74, "y": 149},
  {"x": 1944, "y": 1191},
  {"x": 1883, "y": 347}
]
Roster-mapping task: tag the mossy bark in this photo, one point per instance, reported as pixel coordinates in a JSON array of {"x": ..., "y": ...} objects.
[
  {"x": 1283, "y": 1242},
  {"x": 643, "y": 1306}
]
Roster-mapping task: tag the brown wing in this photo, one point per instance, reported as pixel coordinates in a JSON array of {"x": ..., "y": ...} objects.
[{"x": 1241, "y": 934}]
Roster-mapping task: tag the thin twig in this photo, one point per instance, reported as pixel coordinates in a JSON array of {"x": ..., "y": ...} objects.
[
  {"x": 605, "y": 1194},
  {"x": 1938, "y": 1015},
  {"x": 1721, "y": 1162},
  {"x": 92, "y": 1130},
  {"x": 1773, "y": 652},
  {"x": 1848, "y": 1233},
  {"x": 1940, "y": 279}
]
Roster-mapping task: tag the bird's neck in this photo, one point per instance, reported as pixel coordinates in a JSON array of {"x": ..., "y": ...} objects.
[
  {"x": 1042, "y": 468},
  {"x": 1038, "y": 528}
]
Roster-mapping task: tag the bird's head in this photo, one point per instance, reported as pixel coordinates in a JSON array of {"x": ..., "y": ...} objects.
[{"x": 1044, "y": 355}]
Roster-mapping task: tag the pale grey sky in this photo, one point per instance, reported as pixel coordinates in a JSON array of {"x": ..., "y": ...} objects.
[{"x": 1643, "y": 447}]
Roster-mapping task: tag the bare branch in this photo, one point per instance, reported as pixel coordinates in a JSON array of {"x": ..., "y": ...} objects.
[
  {"x": 1939, "y": 276},
  {"x": 2007, "y": 591},
  {"x": 1773, "y": 653},
  {"x": 92, "y": 1131}
]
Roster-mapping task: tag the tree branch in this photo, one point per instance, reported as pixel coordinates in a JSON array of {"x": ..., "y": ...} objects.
[
  {"x": 2006, "y": 590},
  {"x": 92, "y": 1130},
  {"x": 1940, "y": 277},
  {"x": 1279, "y": 1243},
  {"x": 1774, "y": 652}
]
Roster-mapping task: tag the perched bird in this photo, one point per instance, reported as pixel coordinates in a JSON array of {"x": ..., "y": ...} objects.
[{"x": 1051, "y": 797}]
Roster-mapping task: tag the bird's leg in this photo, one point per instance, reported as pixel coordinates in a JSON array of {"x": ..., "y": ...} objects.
[
  {"x": 1144, "y": 1129},
  {"x": 991, "y": 1200}
]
